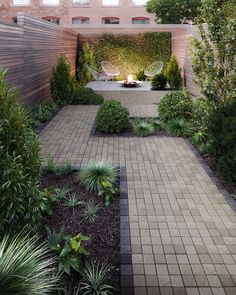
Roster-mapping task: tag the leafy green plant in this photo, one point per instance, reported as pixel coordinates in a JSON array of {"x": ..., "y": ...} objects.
[
  {"x": 72, "y": 201},
  {"x": 159, "y": 82},
  {"x": 26, "y": 268},
  {"x": 133, "y": 53},
  {"x": 94, "y": 277},
  {"x": 20, "y": 164},
  {"x": 90, "y": 211},
  {"x": 222, "y": 134},
  {"x": 112, "y": 117},
  {"x": 109, "y": 191},
  {"x": 199, "y": 140},
  {"x": 140, "y": 76},
  {"x": 175, "y": 105},
  {"x": 69, "y": 250},
  {"x": 213, "y": 54},
  {"x": 42, "y": 112},
  {"x": 86, "y": 96},
  {"x": 201, "y": 113},
  {"x": 94, "y": 174},
  {"x": 155, "y": 123},
  {"x": 173, "y": 74},
  {"x": 179, "y": 127},
  {"x": 61, "y": 82},
  {"x": 59, "y": 170},
  {"x": 143, "y": 129}
]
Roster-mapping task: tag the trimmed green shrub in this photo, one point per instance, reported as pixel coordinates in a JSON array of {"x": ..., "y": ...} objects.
[
  {"x": 112, "y": 117},
  {"x": 175, "y": 105},
  {"x": 20, "y": 164},
  {"x": 173, "y": 74},
  {"x": 133, "y": 53},
  {"x": 26, "y": 268},
  {"x": 143, "y": 129},
  {"x": 140, "y": 76},
  {"x": 179, "y": 127},
  {"x": 222, "y": 133},
  {"x": 86, "y": 96},
  {"x": 61, "y": 82},
  {"x": 159, "y": 82},
  {"x": 201, "y": 112}
]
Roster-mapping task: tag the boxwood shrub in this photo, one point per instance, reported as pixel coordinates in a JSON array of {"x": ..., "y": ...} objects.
[
  {"x": 175, "y": 105},
  {"x": 86, "y": 96},
  {"x": 159, "y": 82},
  {"x": 112, "y": 117}
]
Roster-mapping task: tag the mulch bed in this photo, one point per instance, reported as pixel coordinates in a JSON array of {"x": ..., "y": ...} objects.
[{"x": 104, "y": 233}]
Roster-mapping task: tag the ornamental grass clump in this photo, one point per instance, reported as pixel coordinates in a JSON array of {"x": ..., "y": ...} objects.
[
  {"x": 179, "y": 127},
  {"x": 25, "y": 267},
  {"x": 20, "y": 164},
  {"x": 143, "y": 129},
  {"x": 93, "y": 175}
]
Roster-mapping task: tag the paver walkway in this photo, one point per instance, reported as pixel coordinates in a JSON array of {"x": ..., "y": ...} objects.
[{"x": 183, "y": 231}]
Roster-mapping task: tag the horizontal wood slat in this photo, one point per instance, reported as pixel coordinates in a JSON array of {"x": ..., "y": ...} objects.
[{"x": 29, "y": 50}]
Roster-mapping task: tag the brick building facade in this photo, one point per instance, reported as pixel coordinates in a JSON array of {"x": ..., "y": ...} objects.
[{"x": 80, "y": 12}]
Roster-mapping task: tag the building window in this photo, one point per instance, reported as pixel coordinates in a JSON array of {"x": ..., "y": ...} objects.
[
  {"x": 14, "y": 19},
  {"x": 140, "y": 21},
  {"x": 81, "y": 2},
  {"x": 140, "y": 2},
  {"x": 52, "y": 19},
  {"x": 111, "y": 20},
  {"x": 51, "y": 2},
  {"x": 80, "y": 20},
  {"x": 21, "y": 2},
  {"x": 110, "y": 2}
]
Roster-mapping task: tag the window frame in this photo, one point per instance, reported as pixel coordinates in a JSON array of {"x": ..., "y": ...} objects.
[
  {"x": 81, "y": 17},
  {"x": 81, "y": 5},
  {"x": 48, "y": 4},
  {"x": 47, "y": 18},
  {"x": 141, "y": 18},
  {"x": 24, "y": 4},
  {"x": 110, "y": 5},
  {"x": 138, "y": 5},
  {"x": 110, "y": 18}
]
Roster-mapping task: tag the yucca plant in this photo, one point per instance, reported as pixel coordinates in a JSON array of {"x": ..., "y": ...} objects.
[
  {"x": 143, "y": 129},
  {"x": 94, "y": 277},
  {"x": 179, "y": 127},
  {"x": 90, "y": 211},
  {"x": 94, "y": 174},
  {"x": 25, "y": 267}
]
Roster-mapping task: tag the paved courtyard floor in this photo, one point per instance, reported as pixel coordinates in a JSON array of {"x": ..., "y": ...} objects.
[{"x": 181, "y": 226}]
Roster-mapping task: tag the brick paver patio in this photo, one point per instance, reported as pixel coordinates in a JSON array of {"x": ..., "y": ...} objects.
[{"x": 183, "y": 233}]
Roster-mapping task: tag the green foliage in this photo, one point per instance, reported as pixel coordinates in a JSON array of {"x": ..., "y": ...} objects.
[
  {"x": 94, "y": 277},
  {"x": 86, "y": 96},
  {"x": 86, "y": 56},
  {"x": 26, "y": 268},
  {"x": 20, "y": 164},
  {"x": 59, "y": 170},
  {"x": 112, "y": 117},
  {"x": 94, "y": 174},
  {"x": 173, "y": 74},
  {"x": 61, "y": 82},
  {"x": 159, "y": 82},
  {"x": 72, "y": 201},
  {"x": 175, "y": 105},
  {"x": 69, "y": 250},
  {"x": 155, "y": 123},
  {"x": 222, "y": 133},
  {"x": 179, "y": 127},
  {"x": 42, "y": 112},
  {"x": 213, "y": 55},
  {"x": 199, "y": 140},
  {"x": 143, "y": 129},
  {"x": 90, "y": 211},
  {"x": 172, "y": 11},
  {"x": 140, "y": 76},
  {"x": 132, "y": 54},
  {"x": 109, "y": 191},
  {"x": 201, "y": 112}
]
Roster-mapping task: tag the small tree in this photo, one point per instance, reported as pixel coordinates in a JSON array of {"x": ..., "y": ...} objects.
[
  {"x": 20, "y": 164},
  {"x": 173, "y": 74},
  {"x": 214, "y": 54},
  {"x": 172, "y": 11},
  {"x": 61, "y": 81}
]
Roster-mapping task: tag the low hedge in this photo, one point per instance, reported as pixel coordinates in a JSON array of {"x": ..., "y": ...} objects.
[{"x": 86, "y": 96}]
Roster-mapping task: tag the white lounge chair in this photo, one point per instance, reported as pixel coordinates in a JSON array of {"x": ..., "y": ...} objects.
[
  {"x": 154, "y": 69},
  {"x": 110, "y": 70},
  {"x": 98, "y": 76}
]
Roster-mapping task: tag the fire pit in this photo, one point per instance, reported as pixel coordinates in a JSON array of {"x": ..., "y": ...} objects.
[{"x": 129, "y": 82}]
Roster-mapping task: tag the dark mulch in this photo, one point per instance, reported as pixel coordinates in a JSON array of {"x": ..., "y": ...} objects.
[{"x": 104, "y": 232}]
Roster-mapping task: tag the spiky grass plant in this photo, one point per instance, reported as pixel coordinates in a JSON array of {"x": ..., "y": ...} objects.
[
  {"x": 179, "y": 127},
  {"x": 94, "y": 277},
  {"x": 25, "y": 267},
  {"x": 94, "y": 174},
  {"x": 72, "y": 201},
  {"x": 90, "y": 211},
  {"x": 59, "y": 170},
  {"x": 155, "y": 123},
  {"x": 143, "y": 129}
]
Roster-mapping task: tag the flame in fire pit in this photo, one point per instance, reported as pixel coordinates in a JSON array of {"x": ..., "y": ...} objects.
[{"x": 130, "y": 79}]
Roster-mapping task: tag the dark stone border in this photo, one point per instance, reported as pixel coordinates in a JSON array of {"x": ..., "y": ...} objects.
[
  {"x": 213, "y": 177},
  {"x": 126, "y": 268}
]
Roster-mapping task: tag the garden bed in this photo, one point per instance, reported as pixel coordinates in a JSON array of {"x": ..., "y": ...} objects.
[{"x": 104, "y": 233}]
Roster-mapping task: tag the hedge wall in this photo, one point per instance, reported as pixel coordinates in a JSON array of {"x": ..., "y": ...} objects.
[{"x": 133, "y": 53}]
